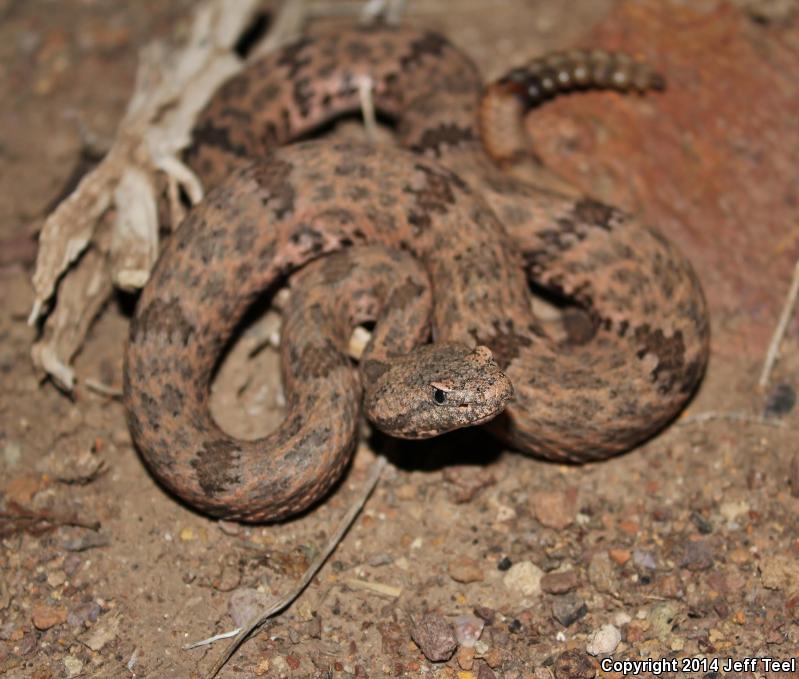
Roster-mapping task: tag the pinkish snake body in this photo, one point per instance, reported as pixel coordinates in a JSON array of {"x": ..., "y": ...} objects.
[{"x": 478, "y": 234}]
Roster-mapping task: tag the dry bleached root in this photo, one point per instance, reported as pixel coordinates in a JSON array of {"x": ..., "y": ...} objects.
[
  {"x": 84, "y": 255},
  {"x": 176, "y": 80}
]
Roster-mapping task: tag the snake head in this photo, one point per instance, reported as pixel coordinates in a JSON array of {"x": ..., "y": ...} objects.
[{"x": 434, "y": 389}]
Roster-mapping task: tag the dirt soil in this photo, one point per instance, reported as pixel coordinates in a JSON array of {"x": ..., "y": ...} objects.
[{"x": 684, "y": 549}]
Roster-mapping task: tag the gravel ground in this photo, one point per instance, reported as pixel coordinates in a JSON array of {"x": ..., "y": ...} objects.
[{"x": 468, "y": 561}]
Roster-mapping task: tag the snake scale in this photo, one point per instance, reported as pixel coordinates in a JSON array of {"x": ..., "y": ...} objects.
[{"x": 440, "y": 199}]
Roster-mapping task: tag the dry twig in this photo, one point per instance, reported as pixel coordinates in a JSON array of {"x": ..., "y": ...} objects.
[
  {"x": 172, "y": 86},
  {"x": 782, "y": 326},
  {"x": 733, "y": 416},
  {"x": 103, "y": 389},
  {"x": 285, "y": 601},
  {"x": 379, "y": 588},
  {"x": 16, "y": 518},
  {"x": 213, "y": 639},
  {"x": 365, "y": 88}
]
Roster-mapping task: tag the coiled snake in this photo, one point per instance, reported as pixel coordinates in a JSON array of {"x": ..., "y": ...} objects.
[{"x": 479, "y": 236}]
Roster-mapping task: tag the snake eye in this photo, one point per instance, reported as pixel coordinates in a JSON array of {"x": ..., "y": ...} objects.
[{"x": 440, "y": 396}]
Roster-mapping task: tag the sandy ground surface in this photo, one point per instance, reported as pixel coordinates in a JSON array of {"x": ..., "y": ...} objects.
[{"x": 684, "y": 549}]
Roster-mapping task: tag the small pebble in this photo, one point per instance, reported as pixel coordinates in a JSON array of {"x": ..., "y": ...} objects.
[
  {"x": 620, "y": 619},
  {"x": 485, "y": 672},
  {"x": 245, "y": 603},
  {"x": 559, "y": 582},
  {"x": 702, "y": 524},
  {"x": 644, "y": 559},
  {"x": 56, "y": 578},
  {"x": 465, "y": 570},
  {"x": 698, "y": 555},
  {"x": 554, "y": 509},
  {"x": 434, "y": 637},
  {"x": 71, "y": 564},
  {"x": 73, "y": 666},
  {"x": 76, "y": 460},
  {"x": 313, "y": 628},
  {"x": 228, "y": 578},
  {"x": 575, "y": 664},
  {"x": 88, "y": 540},
  {"x": 84, "y": 613},
  {"x": 27, "y": 643},
  {"x": 279, "y": 665},
  {"x": 732, "y": 510},
  {"x": 485, "y": 613},
  {"x": 465, "y": 657},
  {"x": 780, "y": 401},
  {"x": 10, "y": 632},
  {"x": 677, "y": 644},
  {"x": 22, "y": 488},
  {"x": 779, "y": 572},
  {"x": 393, "y": 637},
  {"x": 661, "y": 619},
  {"x": 468, "y": 629},
  {"x": 103, "y": 633},
  {"x": 230, "y": 527},
  {"x": 467, "y": 482},
  {"x": 524, "y": 578},
  {"x": 493, "y": 658},
  {"x": 44, "y": 616},
  {"x": 619, "y": 556},
  {"x": 569, "y": 609},
  {"x": 380, "y": 560},
  {"x": 604, "y": 640},
  {"x": 602, "y": 574},
  {"x": 504, "y": 563}
]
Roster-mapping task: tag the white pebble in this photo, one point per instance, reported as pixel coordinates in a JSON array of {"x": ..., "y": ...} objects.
[
  {"x": 525, "y": 578},
  {"x": 620, "y": 619},
  {"x": 468, "y": 629},
  {"x": 604, "y": 641}
]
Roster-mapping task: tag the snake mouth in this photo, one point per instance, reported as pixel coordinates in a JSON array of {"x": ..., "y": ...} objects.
[{"x": 485, "y": 418}]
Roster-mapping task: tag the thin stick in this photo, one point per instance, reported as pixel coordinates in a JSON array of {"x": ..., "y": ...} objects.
[
  {"x": 365, "y": 89},
  {"x": 782, "y": 326},
  {"x": 102, "y": 388},
  {"x": 376, "y": 587},
  {"x": 211, "y": 640},
  {"x": 729, "y": 417},
  {"x": 285, "y": 601},
  {"x": 389, "y": 10},
  {"x": 20, "y": 518}
]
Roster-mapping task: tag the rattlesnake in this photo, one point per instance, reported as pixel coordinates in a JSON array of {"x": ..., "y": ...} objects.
[{"x": 479, "y": 234}]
